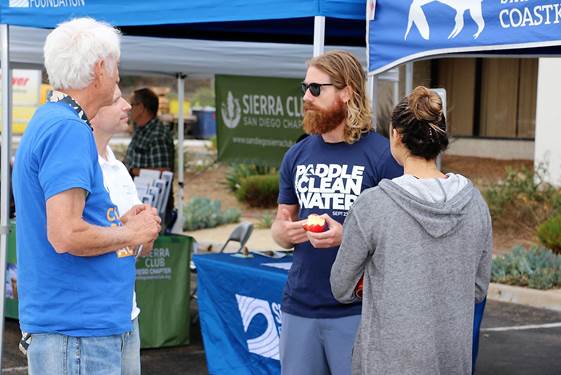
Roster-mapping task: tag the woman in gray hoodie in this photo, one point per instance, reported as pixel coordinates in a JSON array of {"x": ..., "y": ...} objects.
[{"x": 423, "y": 244}]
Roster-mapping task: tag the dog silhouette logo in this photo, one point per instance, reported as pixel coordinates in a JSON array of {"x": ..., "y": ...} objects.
[{"x": 417, "y": 16}]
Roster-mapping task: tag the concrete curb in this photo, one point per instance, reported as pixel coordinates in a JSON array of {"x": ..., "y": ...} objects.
[{"x": 544, "y": 299}]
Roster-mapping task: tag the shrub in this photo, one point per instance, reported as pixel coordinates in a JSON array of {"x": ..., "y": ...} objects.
[
  {"x": 214, "y": 143},
  {"x": 266, "y": 220},
  {"x": 523, "y": 198},
  {"x": 536, "y": 268},
  {"x": 203, "y": 97},
  {"x": 549, "y": 233},
  {"x": 259, "y": 191},
  {"x": 237, "y": 172},
  {"x": 202, "y": 213}
]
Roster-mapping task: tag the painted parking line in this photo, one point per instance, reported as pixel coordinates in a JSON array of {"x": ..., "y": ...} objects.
[
  {"x": 14, "y": 369},
  {"x": 522, "y": 328}
]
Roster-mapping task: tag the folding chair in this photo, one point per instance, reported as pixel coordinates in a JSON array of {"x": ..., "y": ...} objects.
[{"x": 240, "y": 234}]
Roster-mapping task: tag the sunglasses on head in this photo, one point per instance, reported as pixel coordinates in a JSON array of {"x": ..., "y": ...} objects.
[{"x": 315, "y": 88}]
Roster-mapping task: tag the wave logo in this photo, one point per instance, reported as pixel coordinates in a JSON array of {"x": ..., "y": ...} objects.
[
  {"x": 267, "y": 343},
  {"x": 18, "y": 4},
  {"x": 417, "y": 16},
  {"x": 231, "y": 111}
]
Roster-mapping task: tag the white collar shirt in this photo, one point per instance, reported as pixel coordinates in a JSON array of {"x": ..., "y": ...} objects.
[{"x": 122, "y": 191}]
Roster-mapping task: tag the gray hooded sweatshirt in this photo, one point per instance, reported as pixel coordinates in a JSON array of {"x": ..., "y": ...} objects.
[{"x": 424, "y": 247}]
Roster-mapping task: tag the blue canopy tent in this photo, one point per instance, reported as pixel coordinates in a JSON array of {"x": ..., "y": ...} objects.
[
  {"x": 399, "y": 31},
  {"x": 258, "y": 20}
]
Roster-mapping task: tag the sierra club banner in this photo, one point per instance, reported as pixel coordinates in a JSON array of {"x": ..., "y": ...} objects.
[
  {"x": 404, "y": 30},
  {"x": 258, "y": 118},
  {"x": 162, "y": 292}
]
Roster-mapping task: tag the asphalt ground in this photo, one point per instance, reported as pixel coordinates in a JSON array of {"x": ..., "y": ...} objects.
[
  {"x": 515, "y": 340},
  {"x": 528, "y": 342}
]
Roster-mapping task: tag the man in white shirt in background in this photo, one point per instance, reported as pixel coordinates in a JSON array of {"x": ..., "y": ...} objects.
[{"x": 110, "y": 120}]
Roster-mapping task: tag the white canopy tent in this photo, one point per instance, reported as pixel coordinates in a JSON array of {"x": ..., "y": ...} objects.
[
  {"x": 181, "y": 57},
  {"x": 148, "y": 55}
]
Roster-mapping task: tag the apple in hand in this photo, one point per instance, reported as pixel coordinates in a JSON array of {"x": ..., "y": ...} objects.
[
  {"x": 315, "y": 223},
  {"x": 359, "y": 287}
]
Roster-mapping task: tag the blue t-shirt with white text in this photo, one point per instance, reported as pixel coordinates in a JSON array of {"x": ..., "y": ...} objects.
[
  {"x": 63, "y": 293},
  {"x": 327, "y": 178}
]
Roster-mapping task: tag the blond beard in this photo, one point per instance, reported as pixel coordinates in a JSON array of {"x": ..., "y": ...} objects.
[{"x": 321, "y": 121}]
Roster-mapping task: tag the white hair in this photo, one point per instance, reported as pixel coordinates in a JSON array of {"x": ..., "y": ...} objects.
[{"x": 74, "y": 47}]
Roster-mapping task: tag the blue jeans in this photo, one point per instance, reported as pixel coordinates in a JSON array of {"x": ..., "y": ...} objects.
[
  {"x": 317, "y": 346},
  {"x": 51, "y": 353}
]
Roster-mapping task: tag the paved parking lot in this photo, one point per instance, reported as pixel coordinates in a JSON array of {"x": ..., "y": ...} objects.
[
  {"x": 515, "y": 340},
  {"x": 519, "y": 340}
]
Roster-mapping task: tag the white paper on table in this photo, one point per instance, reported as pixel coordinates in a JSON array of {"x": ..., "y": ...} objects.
[{"x": 283, "y": 266}]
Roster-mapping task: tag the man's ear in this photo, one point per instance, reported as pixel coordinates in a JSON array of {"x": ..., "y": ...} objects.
[
  {"x": 346, "y": 94},
  {"x": 99, "y": 71}
]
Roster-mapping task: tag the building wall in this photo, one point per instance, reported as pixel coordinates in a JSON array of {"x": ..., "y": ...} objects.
[
  {"x": 548, "y": 119},
  {"x": 490, "y": 97}
]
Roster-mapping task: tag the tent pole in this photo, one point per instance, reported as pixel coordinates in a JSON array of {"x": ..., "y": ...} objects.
[
  {"x": 319, "y": 35},
  {"x": 178, "y": 227},
  {"x": 372, "y": 89},
  {"x": 5, "y": 190},
  {"x": 408, "y": 78}
]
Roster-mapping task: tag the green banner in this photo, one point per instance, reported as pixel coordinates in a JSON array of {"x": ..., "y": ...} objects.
[
  {"x": 163, "y": 293},
  {"x": 11, "y": 301},
  {"x": 258, "y": 118},
  {"x": 162, "y": 290}
]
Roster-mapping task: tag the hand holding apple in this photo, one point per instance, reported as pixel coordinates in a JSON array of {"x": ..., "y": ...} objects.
[
  {"x": 290, "y": 231},
  {"x": 315, "y": 223},
  {"x": 331, "y": 236}
]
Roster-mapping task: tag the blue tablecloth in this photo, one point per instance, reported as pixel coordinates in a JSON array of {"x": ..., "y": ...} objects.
[{"x": 239, "y": 307}]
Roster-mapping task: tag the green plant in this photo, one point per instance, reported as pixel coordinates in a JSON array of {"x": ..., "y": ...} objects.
[
  {"x": 266, "y": 220},
  {"x": 259, "y": 191},
  {"x": 239, "y": 171},
  {"x": 537, "y": 268},
  {"x": 202, "y": 213},
  {"x": 231, "y": 215},
  {"x": 203, "y": 97},
  {"x": 214, "y": 143},
  {"x": 523, "y": 198},
  {"x": 549, "y": 233}
]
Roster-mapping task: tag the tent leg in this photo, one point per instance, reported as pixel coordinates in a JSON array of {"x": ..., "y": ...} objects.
[
  {"x": 178, "y": 227},
  {"x": 5, "y": 189},
  {"x": 408, "y": 78},
  {"x": 372, "y": 89},
  {"x": 319, "y": 35}
]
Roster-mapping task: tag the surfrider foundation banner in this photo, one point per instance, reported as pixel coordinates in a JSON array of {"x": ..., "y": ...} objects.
[
  {"x": 239, "y": 302},
  {"x": 258, "y": 118},
  {"x": 404, "y": 30}
]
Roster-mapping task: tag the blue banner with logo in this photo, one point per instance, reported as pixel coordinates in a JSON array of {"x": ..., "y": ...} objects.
[
  {"x": 49, "y": 13},
  {"x": 405, "y": 30},
  {"x": 239, "y": 303}
]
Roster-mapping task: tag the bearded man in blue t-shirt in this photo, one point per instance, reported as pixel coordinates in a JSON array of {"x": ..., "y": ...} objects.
[
  {"x": 324, "y": 174},
  {"x": 75, "y": 250}
]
